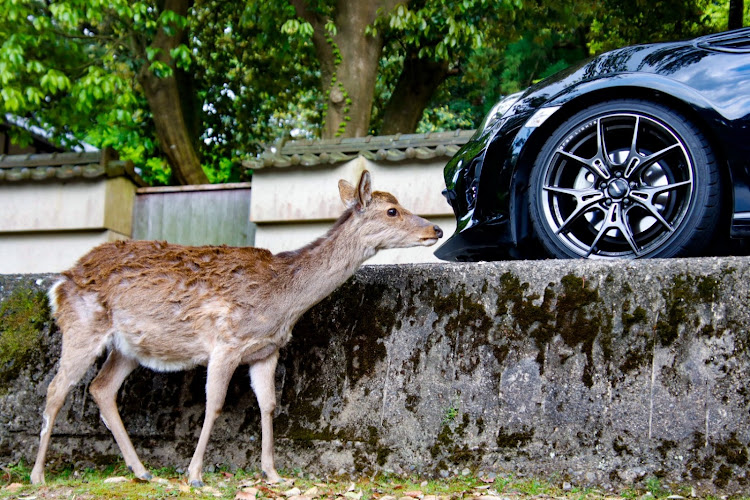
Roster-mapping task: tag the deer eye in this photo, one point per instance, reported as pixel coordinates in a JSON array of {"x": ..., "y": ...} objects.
[{"x": 392, "y": 212}]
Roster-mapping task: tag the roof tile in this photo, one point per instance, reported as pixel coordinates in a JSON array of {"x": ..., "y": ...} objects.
[
  {"x": 392, "y": 148},
  {"x": 64, "y": 166}
]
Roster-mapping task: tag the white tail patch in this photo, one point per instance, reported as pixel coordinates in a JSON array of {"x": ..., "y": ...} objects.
[{"x": 54, "y": 296}]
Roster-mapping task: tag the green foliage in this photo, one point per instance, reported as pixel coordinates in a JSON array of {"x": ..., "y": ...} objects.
[
  {"x": 256, "y": 78},
  {"x": 626, "y": 22},
  {"x": 451, "y": 413},
  {"x": 249, "y": 73},
  {"x": 69, "y": 67},
  {"x": 545, "y": 37}
]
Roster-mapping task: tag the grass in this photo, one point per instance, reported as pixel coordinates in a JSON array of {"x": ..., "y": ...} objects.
[{"x": 116, "y": 482}]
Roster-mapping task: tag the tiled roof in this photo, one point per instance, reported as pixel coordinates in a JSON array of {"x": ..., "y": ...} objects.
[
  {"x": 382, "y": 148},
  {"x": 65, "y": 166}
]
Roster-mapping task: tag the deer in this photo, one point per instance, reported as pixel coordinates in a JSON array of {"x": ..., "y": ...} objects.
[{"x": 170, "y": 307}]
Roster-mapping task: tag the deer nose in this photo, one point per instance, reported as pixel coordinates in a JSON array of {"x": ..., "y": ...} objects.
[{"x": 438, "y": 231}]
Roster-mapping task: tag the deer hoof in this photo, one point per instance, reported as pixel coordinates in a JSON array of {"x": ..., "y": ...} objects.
[
  {"x": 144, "y": 477},
  {"x": 273, "y": 477},
  {"x": 197, "y": 483}
]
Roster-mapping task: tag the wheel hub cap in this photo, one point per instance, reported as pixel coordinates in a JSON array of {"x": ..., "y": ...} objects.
[{"x": 618, "y": 188}]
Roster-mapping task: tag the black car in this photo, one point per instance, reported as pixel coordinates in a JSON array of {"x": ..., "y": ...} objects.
[{"x": 640, "y": 152}]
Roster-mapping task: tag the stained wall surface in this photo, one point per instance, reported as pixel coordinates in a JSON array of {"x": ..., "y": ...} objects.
[{"x": 595, "y": 373}]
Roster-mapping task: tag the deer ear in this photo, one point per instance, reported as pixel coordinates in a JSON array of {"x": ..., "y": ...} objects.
[
  {"x": 348, "y": 194},
  {"x": 364, "y": 190}
]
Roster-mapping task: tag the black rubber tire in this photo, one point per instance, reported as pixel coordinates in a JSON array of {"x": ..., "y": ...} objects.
[{"x": 696, "y": 221}]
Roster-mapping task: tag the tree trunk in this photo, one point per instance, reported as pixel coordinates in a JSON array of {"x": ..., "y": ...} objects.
[
  {"x": 736, "y": 14},
  {"x": 349, "y": 65},
  {"x": 416, "y": 85},
  {"x": 166, "y": 104}
]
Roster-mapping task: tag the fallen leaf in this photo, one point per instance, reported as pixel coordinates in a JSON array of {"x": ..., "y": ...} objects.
[
  {"x": 244, "y": 495},
  {"x": 292, "y": 492},
  {"x": 312, "y": 492},
  {"x": 13, "y": 487},
  {"x": 116, "y": 479},
  {"x": 299, "y": 497},
  {"x": 414, "y": 494},
  {"x": 210, "y": 490},
  {"x": 267, "y": 491}
]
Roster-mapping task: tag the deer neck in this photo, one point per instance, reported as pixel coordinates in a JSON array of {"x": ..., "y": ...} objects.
[{"x": 316, "y": 270}]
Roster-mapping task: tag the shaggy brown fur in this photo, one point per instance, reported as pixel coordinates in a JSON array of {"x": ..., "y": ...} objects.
[{"x": 172, "y": 307}]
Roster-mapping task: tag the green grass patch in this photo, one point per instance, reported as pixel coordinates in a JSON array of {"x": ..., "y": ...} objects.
[{"x": 116, "y": 482}]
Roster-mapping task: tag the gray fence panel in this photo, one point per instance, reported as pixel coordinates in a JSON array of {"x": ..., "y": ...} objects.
[{"x": 213, "y": 216}]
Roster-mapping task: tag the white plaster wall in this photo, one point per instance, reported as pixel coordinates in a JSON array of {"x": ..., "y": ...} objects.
[
  {"x": 46, "y": 227},
  {"x": 293, "y": 206},
  {"x": 67, "y": 206},
  {"x": 48, "y": 252}
]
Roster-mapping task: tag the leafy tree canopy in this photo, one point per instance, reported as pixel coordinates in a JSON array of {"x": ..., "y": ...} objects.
[{"x": 188, "y": 88}]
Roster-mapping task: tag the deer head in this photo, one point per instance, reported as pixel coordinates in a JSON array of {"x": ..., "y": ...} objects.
[{"x": 383, "y": 222}]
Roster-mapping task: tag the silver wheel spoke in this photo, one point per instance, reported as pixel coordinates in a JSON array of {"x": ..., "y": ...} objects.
[
  {"x": 585, "y": 199},
  {"x": 651, "y": 192},
  {"x": 645, "y": 197},
  {"x": 594, "y": 165},
  {"x": 601, "y": 145},
  {"x": 637, "y": 162},
  {"x": 615, "y": 219},
  {"x": 634, "y": 140}
]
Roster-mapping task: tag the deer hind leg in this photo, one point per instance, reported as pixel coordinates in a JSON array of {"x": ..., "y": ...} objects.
[
  {"x": 104, "y": 390},
  {"x": 262, "y": 378},
  {"x": 75, "y": 360},
  {"x": 221, "y": 367}
]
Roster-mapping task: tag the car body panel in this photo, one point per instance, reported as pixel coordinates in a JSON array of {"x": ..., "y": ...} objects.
[{"x": 486, "y": 179}]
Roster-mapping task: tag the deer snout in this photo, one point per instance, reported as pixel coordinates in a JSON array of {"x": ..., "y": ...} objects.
[{"x": 438, "y": 231}]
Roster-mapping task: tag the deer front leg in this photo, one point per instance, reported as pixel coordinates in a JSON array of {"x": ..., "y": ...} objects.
[
  {"x": 221, "y": 367},
  {"x": 262, "y": 378}
]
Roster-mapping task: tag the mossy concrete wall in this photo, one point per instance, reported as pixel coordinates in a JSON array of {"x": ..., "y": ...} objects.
[{"x": 594, "y": 373}]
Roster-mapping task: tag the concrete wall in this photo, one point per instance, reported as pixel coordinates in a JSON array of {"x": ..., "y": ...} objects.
[
  {"x": 293, "y": 206},
  {"x": 46, "y": 227},
  {"x": 593, "y": 373}
]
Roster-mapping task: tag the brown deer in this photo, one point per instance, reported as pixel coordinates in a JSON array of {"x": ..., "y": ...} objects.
[{"x": 170, "y": 307}]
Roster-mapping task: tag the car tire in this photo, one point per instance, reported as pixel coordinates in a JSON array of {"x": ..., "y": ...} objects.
[{"x": 625, "y": 179}]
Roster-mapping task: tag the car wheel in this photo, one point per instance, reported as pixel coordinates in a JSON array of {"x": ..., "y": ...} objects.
[{"x": 625, "y": 179}]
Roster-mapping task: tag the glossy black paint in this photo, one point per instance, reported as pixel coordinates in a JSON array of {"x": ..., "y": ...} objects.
[{"x": 707, "y": 79}]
